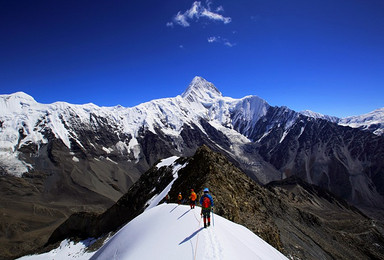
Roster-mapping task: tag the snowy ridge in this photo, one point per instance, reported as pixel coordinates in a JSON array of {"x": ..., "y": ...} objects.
[
  {"x": 310, "y": 113},
  {"x": 171, "y": 231},
  {"x": 185, "y": 238},
  {"x": 372, "y": 121}
]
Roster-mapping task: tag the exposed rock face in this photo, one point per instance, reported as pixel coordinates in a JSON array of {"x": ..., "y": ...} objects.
[
  {"x": 299, "y": 219},
  {"x": 345, "y": 161}
]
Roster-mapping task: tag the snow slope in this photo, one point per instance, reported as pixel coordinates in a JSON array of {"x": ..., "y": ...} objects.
[
  {"x": 66, "y": 250},
  {"x": 170, "y": 231}
]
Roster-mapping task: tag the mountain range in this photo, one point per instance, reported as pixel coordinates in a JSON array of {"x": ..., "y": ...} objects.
[{"x": 58, "y": 159}]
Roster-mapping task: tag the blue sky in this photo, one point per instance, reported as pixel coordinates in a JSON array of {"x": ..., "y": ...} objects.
[{"x": 322, "y": 55}]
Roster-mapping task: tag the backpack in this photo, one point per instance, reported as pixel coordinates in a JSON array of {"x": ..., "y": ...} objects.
[
  {"x": 206, "y": 202},
  {"x": 193, "y": 196}
]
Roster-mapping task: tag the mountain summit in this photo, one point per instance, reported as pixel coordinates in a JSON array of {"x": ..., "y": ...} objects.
[{"x": 200, "y": 90}]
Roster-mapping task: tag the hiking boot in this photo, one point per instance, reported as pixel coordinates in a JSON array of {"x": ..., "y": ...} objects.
[
  {"x": 209, "y": 223},
  {"x": 205, "y": 225}
]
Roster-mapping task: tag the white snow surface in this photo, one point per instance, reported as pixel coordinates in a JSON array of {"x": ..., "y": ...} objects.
[
  {"x": 171, "y": 231},
  {"x": 66, "y": 250}
]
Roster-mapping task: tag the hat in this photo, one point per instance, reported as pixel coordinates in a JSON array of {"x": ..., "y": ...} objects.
[
  {"x": 191, "y": 189},
  {"x": 206, "y": 190}
]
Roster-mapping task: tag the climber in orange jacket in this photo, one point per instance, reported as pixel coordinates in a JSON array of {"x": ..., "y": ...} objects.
[{"x": 192, "y": 199}]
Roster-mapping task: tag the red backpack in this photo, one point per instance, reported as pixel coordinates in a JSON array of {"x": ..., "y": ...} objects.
[{"x": 206, "y": 202}]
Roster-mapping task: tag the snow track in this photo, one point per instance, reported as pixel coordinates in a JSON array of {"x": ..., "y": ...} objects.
[{"x": 213, "y": 248}]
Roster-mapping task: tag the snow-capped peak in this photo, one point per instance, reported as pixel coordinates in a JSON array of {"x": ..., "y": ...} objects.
[
  {"x": 21, "y": 96},
  {"x": 15, "y": 101},
  {"x": 200, "y": 90}
]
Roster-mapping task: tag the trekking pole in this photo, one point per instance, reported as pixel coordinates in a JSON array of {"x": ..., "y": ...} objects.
[{"x": 213, "y": 219}]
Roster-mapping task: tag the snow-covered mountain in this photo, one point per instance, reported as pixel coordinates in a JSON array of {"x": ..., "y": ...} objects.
[
  {"x": 372, "y": 122},
  {"x": 70, "y": 157},
  {"x": 25, "y": 123},
  {"x": 135, "y": 138}
]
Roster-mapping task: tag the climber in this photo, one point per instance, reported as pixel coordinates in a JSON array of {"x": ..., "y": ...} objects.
[
  {"x": 206, "y": 202},
  {"x": 192, "y": 199}
]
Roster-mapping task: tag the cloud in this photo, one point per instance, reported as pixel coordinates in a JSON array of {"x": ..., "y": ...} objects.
[
  {"x": 221, "y": 40},
  {"x": 197, "y": 11},
  {"x": 181, "y": 19},
  {"x": 212, "y": 39},
  {"x": 215, "y": 16}
]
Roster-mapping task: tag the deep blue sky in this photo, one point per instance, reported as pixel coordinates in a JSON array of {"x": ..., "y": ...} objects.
[{"x": 322, "y": 55}]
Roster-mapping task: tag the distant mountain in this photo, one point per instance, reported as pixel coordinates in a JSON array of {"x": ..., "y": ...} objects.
[
  {"x": 310, "y": 113},
  {"x": 372, "y": 122},
  {"x": 65, "y": 158},
  {"x": 301, "y": 220}
]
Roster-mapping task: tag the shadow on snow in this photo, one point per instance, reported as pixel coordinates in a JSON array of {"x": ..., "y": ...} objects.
[{"x": 191, "y": 236}]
